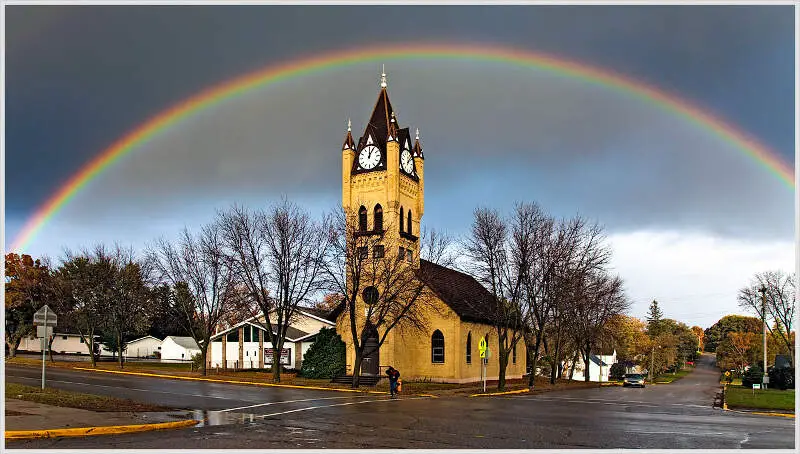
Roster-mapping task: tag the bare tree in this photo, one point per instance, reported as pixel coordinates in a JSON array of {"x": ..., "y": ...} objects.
[
  {"x": 501, "y": 253},
  {"x": 278, "y": 258},
  {"x": 380, "y": 292},
  {"x": 202, "y": 278},
  {"x": 781, "y": 297},
  {"x": 599, "y": 298}
]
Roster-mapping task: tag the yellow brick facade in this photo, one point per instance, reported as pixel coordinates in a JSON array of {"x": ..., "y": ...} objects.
[{"x": 410, "y": 352}]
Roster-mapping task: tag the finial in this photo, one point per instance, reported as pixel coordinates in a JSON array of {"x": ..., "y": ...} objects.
[
  {"x": 393, "y": 118},
  {"x": 417, "y": 134},
  {"x": 348, "y": 125},
  {"x": 383, "y": 76}
]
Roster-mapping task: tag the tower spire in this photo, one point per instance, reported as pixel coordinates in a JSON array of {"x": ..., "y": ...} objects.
[
  {"x": 349, "y": 125},
  {"x": 383, "y": 76}
]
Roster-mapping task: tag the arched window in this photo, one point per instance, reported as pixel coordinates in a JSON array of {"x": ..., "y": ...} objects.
[
  {"x": 437, "y": 347},
  {"x": 378, "y": 218},
  {"x": 362, "y": 219},
  {"x": 469, "y": 348},
  {"x": 401, "y": 219},
  {"x": 408, "y": 229}
]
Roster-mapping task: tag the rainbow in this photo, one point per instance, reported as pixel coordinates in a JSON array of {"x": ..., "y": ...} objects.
[{"x": 275, "y": 73}]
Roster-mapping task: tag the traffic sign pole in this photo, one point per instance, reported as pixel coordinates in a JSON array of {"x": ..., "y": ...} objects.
[{"x": 44, "y": 345}]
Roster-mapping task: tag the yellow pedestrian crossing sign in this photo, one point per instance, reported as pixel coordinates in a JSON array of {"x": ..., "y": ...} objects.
[{"x": 482, "y": 348}]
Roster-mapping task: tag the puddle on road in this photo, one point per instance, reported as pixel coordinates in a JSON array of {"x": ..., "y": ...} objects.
[{"x": 221, "y": 418}]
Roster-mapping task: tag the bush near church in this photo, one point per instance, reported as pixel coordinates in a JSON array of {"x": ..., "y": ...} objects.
[{"x": 326, "y": 356}]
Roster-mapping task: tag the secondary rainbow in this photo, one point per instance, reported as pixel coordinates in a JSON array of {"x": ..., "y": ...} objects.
[{"x": 387, "y": 53}]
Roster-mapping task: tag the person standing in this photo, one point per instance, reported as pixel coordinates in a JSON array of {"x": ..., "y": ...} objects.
[{"x": 394, "y": 375}]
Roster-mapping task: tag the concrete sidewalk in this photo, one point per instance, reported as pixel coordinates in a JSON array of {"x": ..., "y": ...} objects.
[{"x": 25, "y": 415}]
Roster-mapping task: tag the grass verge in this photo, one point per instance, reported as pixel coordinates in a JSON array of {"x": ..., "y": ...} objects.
[
  {"x": 62, "y": 398},
  {"x": 762, "y": 399},
  {"x": 669, "y": 377}
]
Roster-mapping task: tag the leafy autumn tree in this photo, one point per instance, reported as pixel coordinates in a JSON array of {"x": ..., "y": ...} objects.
[
  {"x": 128, "y": 310},
  {"x": 741, "y": 344},
  {"x": 88, "y": 279},
  {"x": 328, "y": 302},
  {"x": 28, "y": 286},
  {"x": 698, "y": 331},
  {"x": 630, "y": 338},
  {"x": 717, "y": 333}
]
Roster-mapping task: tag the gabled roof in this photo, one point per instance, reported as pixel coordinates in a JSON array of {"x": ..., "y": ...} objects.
[
  {"x": 292, "y": 334},
  {"x": 460, "y": 291},
  {"x": 143, "y": 338},
  {"x": 184, "y": 341}
]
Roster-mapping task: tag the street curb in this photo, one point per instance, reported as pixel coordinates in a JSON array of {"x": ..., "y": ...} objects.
[
  {"x": 91, "y": 431},
  {"x": 233, "y": 382},
  {"x": 519, "y": 391}
]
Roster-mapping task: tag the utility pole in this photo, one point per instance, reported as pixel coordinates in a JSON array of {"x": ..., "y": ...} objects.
[
  {"x": 763, "y": 290},
  {"x": 652, "y": 357}
]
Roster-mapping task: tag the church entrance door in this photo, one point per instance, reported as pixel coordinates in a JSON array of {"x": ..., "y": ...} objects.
[{"x": 370, "y": 365}]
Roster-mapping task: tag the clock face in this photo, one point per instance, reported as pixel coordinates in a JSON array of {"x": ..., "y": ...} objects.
[
  {"x": 406, "y": 162},
  {"x": 369, "y": 157}
]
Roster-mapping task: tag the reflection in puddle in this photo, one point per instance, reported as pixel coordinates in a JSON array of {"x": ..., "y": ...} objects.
[{"x": 219, "y": 418}]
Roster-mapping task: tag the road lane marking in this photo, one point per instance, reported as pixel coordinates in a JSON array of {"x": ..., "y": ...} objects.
[
  {"x": 339, "y": 405},
  {"x": 616, "y": 402},
  {"x": 289, "y": 402}
]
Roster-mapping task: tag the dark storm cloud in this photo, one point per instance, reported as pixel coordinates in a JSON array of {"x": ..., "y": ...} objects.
[
  {"x": 518, "y": 135},
  {"x": 78, "y": 78}
]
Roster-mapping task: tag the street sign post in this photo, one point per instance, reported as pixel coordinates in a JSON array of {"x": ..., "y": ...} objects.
[{"x": 45, "y": 319}]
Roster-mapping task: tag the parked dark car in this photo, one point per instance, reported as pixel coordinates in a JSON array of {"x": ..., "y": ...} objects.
[{"x": 634, "y": 380}]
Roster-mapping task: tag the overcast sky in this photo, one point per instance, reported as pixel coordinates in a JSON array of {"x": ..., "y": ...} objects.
[{"x": 690, "y": 217}]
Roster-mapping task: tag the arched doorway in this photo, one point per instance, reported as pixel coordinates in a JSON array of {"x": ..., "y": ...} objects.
[{"x": 370, "y": 365}]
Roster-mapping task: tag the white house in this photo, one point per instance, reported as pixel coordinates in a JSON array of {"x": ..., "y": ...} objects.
[
  {"x": 143, "y": 347},
  {"x": 599, "y": 367},
  {"x": 63, "y": 343},
  {"x": 246, "y": 345},
  {"x": 178, "y": 348}
]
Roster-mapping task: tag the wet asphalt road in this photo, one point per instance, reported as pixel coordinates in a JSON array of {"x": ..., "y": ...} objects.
[{"x": 675, "y": 416}]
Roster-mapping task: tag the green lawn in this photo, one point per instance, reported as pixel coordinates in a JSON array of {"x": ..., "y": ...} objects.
[
  {"x": 669, "y": 378},
  {"x": 767, "y": 399},
  {"x": 60, "y": 398}
]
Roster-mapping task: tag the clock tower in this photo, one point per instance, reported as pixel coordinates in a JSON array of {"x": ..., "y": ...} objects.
[{"x": 383, "y": 180}]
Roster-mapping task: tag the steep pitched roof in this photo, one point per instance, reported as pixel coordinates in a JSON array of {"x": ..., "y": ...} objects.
[
  {"x": 460, "y": 291},
  {"x": 381, "y": 117}
]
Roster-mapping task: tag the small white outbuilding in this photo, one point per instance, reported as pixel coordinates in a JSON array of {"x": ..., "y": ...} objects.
[
  {"x": 143, "y": 347},
  {"x": 178, "y": 348}
]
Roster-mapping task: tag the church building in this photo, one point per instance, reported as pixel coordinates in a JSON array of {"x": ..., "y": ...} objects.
[{"x": 383, "y": 178}]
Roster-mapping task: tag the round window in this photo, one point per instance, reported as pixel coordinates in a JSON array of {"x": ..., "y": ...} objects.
[{"x": 370, "y": 295}]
